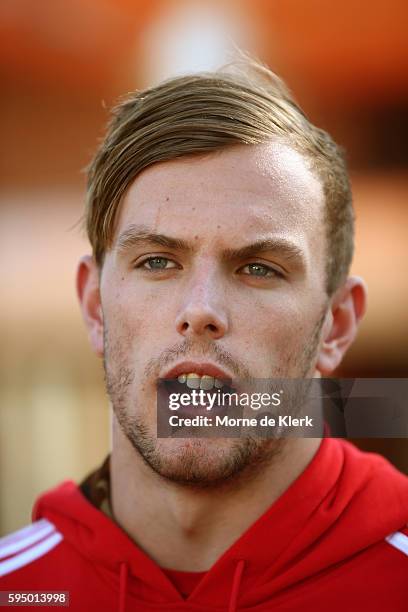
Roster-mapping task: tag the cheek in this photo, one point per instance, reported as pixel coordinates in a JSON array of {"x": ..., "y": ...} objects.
[
  {"x": 139, "y": 318},
  {"x": 123, "y": 314},
  {"x": 277, "y": 325}
]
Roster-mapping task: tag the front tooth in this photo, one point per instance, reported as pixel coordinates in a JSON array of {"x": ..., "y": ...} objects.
[
  {"x": 193, "y": 381},
  {"x": 218, "y": 383},
  {"x": 182, "y": 378},
  {"x": 207, "y": 382}
]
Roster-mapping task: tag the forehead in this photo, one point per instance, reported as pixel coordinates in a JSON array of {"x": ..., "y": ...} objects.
[{"x": 238, "y": 193}]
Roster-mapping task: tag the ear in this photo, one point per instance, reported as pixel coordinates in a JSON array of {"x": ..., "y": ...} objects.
[
  {"x": 347, "y": 308},
  {"x": 87, "y": 283}
]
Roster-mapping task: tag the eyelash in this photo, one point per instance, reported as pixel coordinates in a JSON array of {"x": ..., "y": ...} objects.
[
  {"x": 270, "y": 272},
  {"x": 142, "y": 264}
]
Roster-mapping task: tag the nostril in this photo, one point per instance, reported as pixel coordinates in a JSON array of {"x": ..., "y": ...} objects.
[{"x": 200, "y": 322}]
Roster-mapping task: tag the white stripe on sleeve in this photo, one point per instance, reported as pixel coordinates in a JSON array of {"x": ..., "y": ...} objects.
[
  {"x": 13, "y": 543},
  {"x": 398, "y": 540},
  {"x": 30, "y": 555}
]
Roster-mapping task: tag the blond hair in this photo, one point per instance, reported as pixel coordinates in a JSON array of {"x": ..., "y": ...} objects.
[{"x": 197, "y": 114}]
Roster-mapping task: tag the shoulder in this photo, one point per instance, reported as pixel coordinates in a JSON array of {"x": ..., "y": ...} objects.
[{"x": 27, "y": 545}]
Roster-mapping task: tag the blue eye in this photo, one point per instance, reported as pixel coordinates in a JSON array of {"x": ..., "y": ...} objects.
[
  {"x": 260, "y": 270},
  {"x": 157, "y": 263}
]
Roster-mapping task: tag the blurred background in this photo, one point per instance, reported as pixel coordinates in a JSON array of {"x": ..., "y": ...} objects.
[{"x": 63, "y": 64}]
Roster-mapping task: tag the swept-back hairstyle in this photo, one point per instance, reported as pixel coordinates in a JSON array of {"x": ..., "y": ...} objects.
[{"x": 243, "y": 104}]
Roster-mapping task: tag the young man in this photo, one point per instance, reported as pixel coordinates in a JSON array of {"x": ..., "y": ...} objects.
[{"x": 221, "y": 226}]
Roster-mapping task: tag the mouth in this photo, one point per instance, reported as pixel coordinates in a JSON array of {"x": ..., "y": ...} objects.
[{"x": 194, "y": 375}]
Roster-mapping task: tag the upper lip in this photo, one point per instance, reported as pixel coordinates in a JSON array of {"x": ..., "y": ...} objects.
[{"x": 189, "y": 367}]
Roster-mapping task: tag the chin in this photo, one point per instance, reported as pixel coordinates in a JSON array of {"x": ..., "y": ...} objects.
[{"x": 203, "y": 462}]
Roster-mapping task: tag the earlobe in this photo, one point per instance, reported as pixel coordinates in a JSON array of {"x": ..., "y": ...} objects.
[
  {"x": 340, "y": 327},
  {"x": 87, "y": 283}
]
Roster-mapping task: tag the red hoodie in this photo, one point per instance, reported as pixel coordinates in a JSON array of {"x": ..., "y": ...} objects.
[{"x": 337, "y": 539}]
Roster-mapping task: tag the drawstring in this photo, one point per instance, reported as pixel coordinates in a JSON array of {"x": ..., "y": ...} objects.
[
  {"x": 236, "y": 583},
  {"x": 122, "y": 586}
]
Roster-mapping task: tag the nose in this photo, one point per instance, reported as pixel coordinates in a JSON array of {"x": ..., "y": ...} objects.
[{"x": 202, "y": 313}]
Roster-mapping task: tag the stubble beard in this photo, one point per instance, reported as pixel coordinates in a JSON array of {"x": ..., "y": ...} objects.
[{"x": 196, "y": 462}]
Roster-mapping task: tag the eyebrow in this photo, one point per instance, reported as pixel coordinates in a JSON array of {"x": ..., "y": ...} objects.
[
  {"x": 284, "y": 247},
  {"x": 136, "y": 235}
]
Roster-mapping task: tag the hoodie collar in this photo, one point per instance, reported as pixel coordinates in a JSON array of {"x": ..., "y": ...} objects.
[{"x": 322, "y": 519}]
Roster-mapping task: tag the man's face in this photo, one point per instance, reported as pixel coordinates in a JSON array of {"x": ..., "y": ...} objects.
[{"x": 216, "y": 260}]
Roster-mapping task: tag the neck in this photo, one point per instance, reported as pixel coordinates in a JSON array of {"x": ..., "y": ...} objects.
[{"x": 186, "y": 528}]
